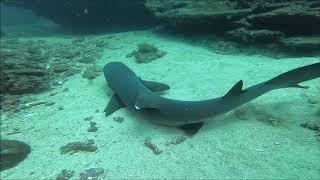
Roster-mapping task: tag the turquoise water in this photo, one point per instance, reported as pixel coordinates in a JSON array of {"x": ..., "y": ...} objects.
[{"x": 54, "y": 92}]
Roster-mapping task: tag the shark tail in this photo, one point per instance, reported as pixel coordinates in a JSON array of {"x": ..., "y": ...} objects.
[{"x": 293, "y": 77}]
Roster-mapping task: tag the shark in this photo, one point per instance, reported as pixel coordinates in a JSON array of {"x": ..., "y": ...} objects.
[{"x": 144, "y": 96}]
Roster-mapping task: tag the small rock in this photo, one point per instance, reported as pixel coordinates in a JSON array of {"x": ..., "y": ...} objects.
[
  {"x": 65, "y": 175},
  {"x": 88, "y": 118},
  {"x": 276, "y": 143},
  {"x": 53, "y": 93},
  {"x": 92, "y": 174},
  {"x": 119, "y": 119},
  {"x": 91, "y": 73},
  {"x": 311, "y": 101},
  {"x": 79, "y": 146},
  {"x": 153, "y": 147},
  {"x": 49, "y": 103},
  {"x": 92, "y": 127},
  {"x": 178, "y": 140}
]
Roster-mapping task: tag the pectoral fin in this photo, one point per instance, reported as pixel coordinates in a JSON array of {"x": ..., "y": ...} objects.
[
  {"x": 155, "y": 86},
  {"x": 113, "y": 105}
]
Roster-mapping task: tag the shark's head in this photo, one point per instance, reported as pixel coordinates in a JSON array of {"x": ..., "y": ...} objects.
[
  {"x": 113, "y": 70},
  {"x": 110, "y": 68},
  {"x": 118, "y": 75}
]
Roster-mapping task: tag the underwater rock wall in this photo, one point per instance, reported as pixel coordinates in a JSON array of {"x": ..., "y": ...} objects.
[
  {"x": 256, "y": 21},
  {"x": 290, "y": 24},
  {"x": 291, "y": 17}
]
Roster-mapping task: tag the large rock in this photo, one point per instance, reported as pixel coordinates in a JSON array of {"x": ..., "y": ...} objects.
[
  {"x": 255, "y": 36},
  {"x": 302, "y": 44},
  {"x": 217, "y": 15},
  {"x": 255, "y": 21},
  {"x": 295, "y": 18}
]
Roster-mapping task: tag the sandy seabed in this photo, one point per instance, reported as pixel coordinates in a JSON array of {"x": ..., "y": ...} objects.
[{"x": 262, "y": 139}]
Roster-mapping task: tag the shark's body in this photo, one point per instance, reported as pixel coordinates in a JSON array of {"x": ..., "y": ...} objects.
[{"x": 139, "y": 95}]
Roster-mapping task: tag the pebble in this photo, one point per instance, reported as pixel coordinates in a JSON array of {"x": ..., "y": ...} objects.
[{"x": 276, "y": 143}]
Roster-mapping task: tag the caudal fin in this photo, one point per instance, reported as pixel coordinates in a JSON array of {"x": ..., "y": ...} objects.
[{"x": 293, "y": 77}]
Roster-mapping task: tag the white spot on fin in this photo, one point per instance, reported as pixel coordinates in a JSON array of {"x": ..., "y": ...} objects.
[{"x": 136, "y": 107}]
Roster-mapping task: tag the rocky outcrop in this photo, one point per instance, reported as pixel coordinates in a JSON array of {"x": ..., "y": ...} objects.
[
  {"x": 215, "y": 15},
  {"x": 302, "y": 18},
  {"x": 255, "y": 36},
  {"x": 290, "y": 17},
  {"x": 256, "y": 21},
  {"x": 301, "y": 44}
]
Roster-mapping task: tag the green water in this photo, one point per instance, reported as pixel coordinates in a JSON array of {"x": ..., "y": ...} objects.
[{"x": 54, "y": 93}]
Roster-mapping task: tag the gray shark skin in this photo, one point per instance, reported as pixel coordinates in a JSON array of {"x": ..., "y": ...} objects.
[{"x": 138, "y": 95}]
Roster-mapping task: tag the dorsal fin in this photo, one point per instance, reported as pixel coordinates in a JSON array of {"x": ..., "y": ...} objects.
[{"x": 235, "y": 91}]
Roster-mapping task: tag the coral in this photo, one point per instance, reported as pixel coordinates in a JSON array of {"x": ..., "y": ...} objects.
[
  {"x": 146, "y": 53},
  {"x": 118, "y": 119},
  {"x": 178, "y": 140},
  {"x": 79, "y": 146},
  {"x": 92, "y": 174},
  {"x": 152, "y": 146},
  {"x": 88, "y": 118},
  {"x": 90, "y": 72},
  {"x": 147, "y": 48},
  {"x": 93, "y": 127},
  {"x": 65, "y": 175}
]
